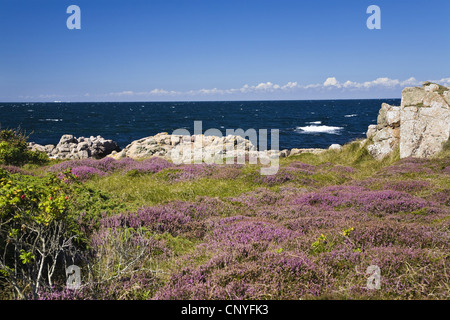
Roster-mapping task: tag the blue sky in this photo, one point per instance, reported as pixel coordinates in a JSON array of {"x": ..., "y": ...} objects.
[{"x": 166, "y": 50}]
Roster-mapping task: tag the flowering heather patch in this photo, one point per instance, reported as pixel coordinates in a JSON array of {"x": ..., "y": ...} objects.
[
  {"x": 226, "y": 172},
  {"x": 282, "y": 240},
  {"x": 84, "y": 173},
  {"x": 302, "y": 167},
  {"x": 110, "y": 165},
  {"x": 177, "y": 217},
  {"x": 370, "y": 183},
  {"x": 245, "y": 263},
  {"x": 248, "y": 232},
  {"x": 410, "y": 186},
  {"x": 409, "y": 166},
  {"x": 410, "y": 235},
  {"x": 152, "y": 165},
  {"x": 106, "y": 165},
  {"x": 270, "y": 256},
  {"x": 446, "y": 170},
  {"x": 379, "y": 202},
  {"x": 14, "y": 169},
  {"x": 311, "y": 220},
  {"x": 441, "y": 197},
  {"x": 202, "y": 208},
  {"x": 187, "y": 172},
  {"x": 329, "y": 197},
  {"x": 297, "y": 172},
  {"x": 283, "y": 175},
  {"x": 279, "y": 274},
  {"x": 273, "y": 276},
  {"x": 413, "y": 186},
  {"x": 411, "y": 273},
  {"x": 159, "y": 219},
  {"x": 386, "y": 202},
  {"x": 258, "y": 197}
]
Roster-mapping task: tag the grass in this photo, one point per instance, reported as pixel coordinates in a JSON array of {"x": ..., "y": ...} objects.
[
  {"x": 353, "y": 154},
  {"x": 147, "y": 190},
  {"x": 442, "y": 89},
  {"x": 267, "y": 246}
]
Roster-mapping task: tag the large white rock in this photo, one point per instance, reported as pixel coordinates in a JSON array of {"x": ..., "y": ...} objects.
[
  {"x": 371, "y": 130},
  {"x": 424, "y": 129},
  {"x": 70, "y": 147},
  {"x": 386, "y": 134},
  {"x": 187, "y": 148},
  {"x": 419, "y": 127},
  {"x": 335, "y": 146}
]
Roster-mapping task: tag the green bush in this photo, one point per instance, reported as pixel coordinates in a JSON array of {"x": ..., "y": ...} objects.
[
  {"x": 38, "y": 229},
  {"x": 14, "y": 151}
]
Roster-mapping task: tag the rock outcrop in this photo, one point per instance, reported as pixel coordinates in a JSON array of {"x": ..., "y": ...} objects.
[
  {"x": 189, "y": 148},
  {"x": 70, "y": 147},
  {"x": 196, "y": 147},
  {"x": 419, "y": 126},
  {"x": 386, "y": 134},
  {"x": 336, "y": 147},
  {"x": 296, "y": 151},
  {"x": 425, "y": 120}
]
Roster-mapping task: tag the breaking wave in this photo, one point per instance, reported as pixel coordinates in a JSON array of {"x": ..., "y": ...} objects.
[{"x": 319, "y": 129}]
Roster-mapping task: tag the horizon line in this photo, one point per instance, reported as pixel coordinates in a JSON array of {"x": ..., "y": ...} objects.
[{"x": 174, "y": 101}]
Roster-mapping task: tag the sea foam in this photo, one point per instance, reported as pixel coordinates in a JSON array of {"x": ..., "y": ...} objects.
[{"x": 319, "y": 129}]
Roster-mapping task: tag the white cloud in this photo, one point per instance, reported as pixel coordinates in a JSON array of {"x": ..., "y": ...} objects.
[
  {"x": 122, "y": 93},
  {"x": 329, "y": 85},
  {"x": 312, "y": 86},
  {"x": 331, "y": 82},
  {"x": 158, "y": 91},
  {"x": 383, "y": 82},
  {"x": 443, "y": 81},
  {"x": 411, "y": 82},
  {"x": 264, "y": 86},
  {"x": 290, "y": 85},
  {"x": 49, "y": 96},
  {"x": 269, "y": 87},
  {"x": 351, "y": 84}
]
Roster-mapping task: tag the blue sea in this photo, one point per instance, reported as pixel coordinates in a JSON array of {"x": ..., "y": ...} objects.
[{"x": 302, "y": 124}]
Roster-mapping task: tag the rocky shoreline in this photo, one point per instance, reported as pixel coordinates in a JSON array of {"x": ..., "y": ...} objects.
[
  {"x": 419, "y": 127},
  {"x": 70, "y": 147},
  {"x": 162, "y": 145}
]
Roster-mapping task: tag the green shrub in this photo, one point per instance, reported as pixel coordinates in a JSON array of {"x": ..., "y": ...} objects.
[
  {"x": 37, "y": 230},
  {"x": 14, "y": 150}
]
